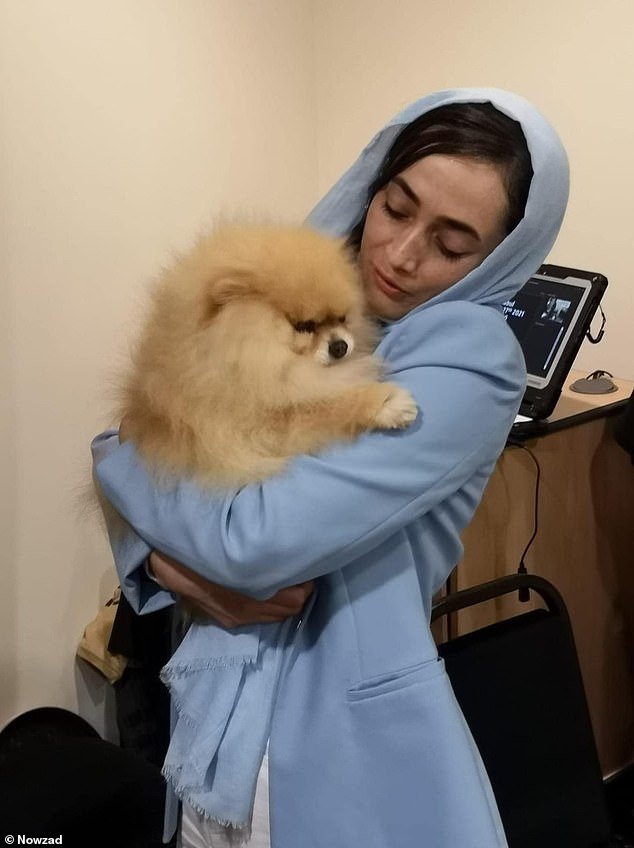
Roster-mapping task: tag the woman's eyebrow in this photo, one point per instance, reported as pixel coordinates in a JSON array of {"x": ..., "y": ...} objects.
[
  {"x": 463, "y": 227},
  {"x": 453, "y": 223},
  {"x": 406, "y": 189}
]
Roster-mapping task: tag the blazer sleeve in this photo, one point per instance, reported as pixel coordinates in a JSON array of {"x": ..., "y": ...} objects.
[
  {"x": 129, "y": 549},
  {"x": 463, "y": 367}
]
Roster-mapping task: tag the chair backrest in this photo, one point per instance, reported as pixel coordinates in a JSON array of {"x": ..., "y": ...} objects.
[{"x": 519, "y": 686}]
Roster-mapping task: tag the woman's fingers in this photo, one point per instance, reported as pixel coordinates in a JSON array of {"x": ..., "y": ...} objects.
[{"x": 292, "y": 598}]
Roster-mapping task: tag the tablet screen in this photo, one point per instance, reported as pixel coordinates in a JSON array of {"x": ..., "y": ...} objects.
[{"x": 543, "y": 315}]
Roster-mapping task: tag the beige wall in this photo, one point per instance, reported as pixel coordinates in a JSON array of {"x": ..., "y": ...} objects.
[
  {"x": 125, "y": 125},
  {"x": 572, "y": 58}
]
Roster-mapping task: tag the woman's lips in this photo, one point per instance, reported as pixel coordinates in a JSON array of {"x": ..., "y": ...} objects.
[{"x": 387, "y": 286}]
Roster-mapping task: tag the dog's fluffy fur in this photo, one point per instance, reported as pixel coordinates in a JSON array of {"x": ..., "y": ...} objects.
[{"x": 256, "y": 349}]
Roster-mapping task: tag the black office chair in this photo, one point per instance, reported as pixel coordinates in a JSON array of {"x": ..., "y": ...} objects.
[{"x": 519, "y": 686}]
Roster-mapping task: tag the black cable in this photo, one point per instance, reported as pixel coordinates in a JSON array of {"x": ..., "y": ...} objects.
[{"x": 524, "y": 594}]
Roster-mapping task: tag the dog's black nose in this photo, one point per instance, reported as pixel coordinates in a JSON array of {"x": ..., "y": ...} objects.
[{"x": 337, "y": 349}]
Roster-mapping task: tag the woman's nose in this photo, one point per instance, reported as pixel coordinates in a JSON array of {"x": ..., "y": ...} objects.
[{"x": 404, "y": 253}]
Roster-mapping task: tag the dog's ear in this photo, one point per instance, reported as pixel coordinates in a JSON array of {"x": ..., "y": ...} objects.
[{"x": 222, "y": 291}]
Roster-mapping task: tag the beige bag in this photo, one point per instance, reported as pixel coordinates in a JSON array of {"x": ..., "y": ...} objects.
[{"x": 93, "y": 646}]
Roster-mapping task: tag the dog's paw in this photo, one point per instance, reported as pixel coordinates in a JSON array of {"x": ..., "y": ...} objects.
[{"x": 398, "y": 410}]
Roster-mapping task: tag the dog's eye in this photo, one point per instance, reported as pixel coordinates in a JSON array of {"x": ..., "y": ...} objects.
[
  {"x": 306, "y": 326},
  {"x": 342, "y": 319}
]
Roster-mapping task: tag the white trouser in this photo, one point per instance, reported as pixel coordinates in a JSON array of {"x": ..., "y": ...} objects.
[{"x": 198, "y": 832}]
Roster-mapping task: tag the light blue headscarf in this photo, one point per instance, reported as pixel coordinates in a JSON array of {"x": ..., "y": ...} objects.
[{"x": 223, "y": 682}]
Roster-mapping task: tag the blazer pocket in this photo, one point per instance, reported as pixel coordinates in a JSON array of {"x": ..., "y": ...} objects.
[{"x": 395, "y": 681}]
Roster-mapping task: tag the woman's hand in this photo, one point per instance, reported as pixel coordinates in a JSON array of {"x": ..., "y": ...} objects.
[{"x": 226, "y": 607}]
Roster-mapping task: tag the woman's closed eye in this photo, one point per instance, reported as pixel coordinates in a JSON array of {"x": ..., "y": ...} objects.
[
  {"x": 392, "y": 212},
  {"x": 451, "y": 255}
]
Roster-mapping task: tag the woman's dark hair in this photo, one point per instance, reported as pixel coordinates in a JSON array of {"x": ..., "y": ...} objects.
[{"x": 477, "y": 130}]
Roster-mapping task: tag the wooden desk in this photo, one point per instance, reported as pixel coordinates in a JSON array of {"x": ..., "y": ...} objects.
[{"x": 584, "y": 546}]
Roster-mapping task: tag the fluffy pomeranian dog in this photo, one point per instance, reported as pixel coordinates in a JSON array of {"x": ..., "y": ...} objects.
[{"x": 256, "y": 349}]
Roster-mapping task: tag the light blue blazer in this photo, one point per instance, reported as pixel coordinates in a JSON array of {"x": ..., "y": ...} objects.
[{"x": 368, "y": 746}]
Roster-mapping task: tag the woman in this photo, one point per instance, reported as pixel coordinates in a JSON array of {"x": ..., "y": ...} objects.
[{"x": 367, "y": 744}]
